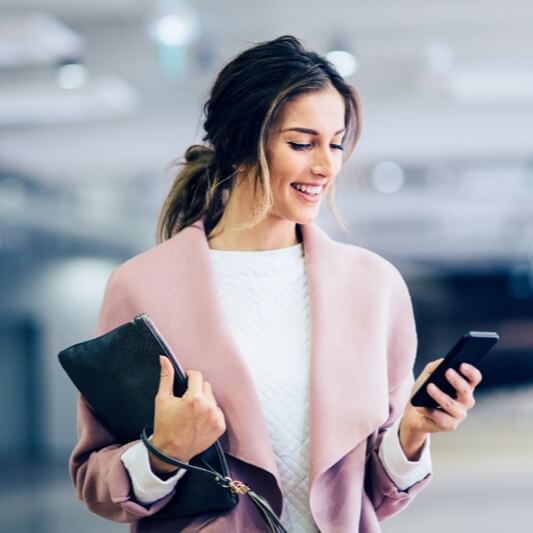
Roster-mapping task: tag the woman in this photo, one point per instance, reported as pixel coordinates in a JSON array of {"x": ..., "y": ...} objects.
[{"x": 299, "y": 349}]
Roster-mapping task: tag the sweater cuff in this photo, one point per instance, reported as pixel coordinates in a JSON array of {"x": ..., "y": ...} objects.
[
  {"x": 147, "y": 487},
  {"x": 403, "y": 473}
]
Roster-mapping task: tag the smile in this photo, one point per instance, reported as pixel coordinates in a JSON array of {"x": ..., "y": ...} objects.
[{"x": 311, "y": 193}]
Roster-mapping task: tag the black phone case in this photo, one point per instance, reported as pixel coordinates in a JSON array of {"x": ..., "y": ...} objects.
[{"x": 470, "y": 348}]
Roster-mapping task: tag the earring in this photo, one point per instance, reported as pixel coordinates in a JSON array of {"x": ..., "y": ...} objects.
[{"x": 225, "y": 196}]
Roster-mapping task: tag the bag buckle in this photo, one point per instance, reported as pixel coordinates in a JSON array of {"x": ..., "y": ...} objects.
[{"x": 236, "y": 486}]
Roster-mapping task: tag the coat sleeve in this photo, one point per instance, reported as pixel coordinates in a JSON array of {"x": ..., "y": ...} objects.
[
  {"x": 386, "y": 497},
  {"x": 99, "y": 476}
]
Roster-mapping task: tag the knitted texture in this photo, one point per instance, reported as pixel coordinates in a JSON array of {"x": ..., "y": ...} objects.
[{"x": 264, "y": 297}]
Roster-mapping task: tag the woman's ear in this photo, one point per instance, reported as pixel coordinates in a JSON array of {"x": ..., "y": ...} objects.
[
  {"x": 242, "y": 172},
  {"x": 241, "y": 168}
]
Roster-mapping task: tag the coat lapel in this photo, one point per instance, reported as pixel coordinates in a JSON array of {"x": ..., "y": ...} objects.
[
  {"x": 347, "y": 376},
  {"x": 196, "y": 324}
]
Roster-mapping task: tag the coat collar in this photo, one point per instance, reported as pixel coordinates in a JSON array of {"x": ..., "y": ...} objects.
[{"x": 347, "y": 380}]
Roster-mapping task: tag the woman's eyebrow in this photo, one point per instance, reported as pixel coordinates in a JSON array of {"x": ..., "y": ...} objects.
[{"x": 309, "y": 131}]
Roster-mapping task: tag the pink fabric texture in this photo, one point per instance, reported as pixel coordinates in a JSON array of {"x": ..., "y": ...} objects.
[{"x": 362, "y": 351}]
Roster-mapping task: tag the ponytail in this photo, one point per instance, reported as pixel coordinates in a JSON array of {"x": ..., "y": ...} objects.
[{"x": 195, "y": 193}]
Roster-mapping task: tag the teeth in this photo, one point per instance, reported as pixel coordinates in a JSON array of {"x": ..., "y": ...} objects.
[{"x": 310, "y": 189}]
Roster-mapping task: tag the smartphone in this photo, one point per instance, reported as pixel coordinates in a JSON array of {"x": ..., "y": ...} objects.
[{"x": 470, "y": 348}]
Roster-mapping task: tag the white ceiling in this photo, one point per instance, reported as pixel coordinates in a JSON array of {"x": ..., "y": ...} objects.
[{"x": 483, "y": 216}]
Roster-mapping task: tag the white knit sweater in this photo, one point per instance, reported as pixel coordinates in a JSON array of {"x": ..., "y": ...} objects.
[{"x": 264, "y": 297}]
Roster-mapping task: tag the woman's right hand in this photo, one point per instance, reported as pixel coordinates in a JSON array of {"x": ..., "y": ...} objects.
[{"x": 184, "y": 426}]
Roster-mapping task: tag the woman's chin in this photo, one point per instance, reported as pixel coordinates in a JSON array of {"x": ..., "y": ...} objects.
[
  {"x": 300, "y": 216},
  {"x": 305, "y": 218}
]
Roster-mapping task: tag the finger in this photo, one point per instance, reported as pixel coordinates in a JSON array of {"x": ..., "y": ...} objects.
[
  {"x": 195, "y": 382},
  {"x": 166, "y": 378},
  {"x": 440, "y": 420},
  {"x": 432, "y": 420},
  {"x": 424, "y": 375},
  {"x": 208, "y": 392},
  {"x": 425, "y": 412},
  {"x": 430, "y": 367},
  {"x": 472, "y": 374},
  {"x": 446, "y": 402},
  {"x": 221, "y": 419},
  {"x": 462, "y": 386}
]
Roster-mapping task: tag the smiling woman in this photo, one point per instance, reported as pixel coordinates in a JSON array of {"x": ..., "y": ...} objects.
[
  {"x": 298, "y": 349},
  {"x": 270, "y": 102},
  {"x": 304, "y": 150}
]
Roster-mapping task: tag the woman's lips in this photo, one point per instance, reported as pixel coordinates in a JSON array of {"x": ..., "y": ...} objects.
[{"x": 307, "y": 196}]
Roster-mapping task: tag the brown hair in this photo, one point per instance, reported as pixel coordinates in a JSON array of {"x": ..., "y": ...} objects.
[{"x": 244, "y": 104}]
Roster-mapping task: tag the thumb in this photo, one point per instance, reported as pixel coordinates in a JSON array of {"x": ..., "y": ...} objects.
[
  {"x": 166, "y": 379},
  {"x": 430, "y": 367},
  {"x": 428, "y": 370}
]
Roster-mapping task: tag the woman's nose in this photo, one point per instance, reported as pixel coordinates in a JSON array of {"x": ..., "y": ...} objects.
[{"x": 323, "y": 164}]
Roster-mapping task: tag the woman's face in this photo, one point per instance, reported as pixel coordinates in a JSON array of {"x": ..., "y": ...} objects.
[{"x": 304, "y": 153}]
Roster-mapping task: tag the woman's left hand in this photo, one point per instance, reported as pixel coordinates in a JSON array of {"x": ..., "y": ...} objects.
[{"x": 417, "y": 422}]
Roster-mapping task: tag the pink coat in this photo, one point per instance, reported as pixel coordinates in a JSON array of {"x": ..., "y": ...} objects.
[{"x": 363, "y": 347}]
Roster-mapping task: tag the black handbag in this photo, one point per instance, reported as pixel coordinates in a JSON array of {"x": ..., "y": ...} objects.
[{"x": 118, "y": 375}]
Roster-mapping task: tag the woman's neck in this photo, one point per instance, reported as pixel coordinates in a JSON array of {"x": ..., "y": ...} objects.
[{"x": 270, "y": 234}]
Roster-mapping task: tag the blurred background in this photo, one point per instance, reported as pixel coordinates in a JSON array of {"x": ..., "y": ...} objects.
[{"x": 96, "y": 98}]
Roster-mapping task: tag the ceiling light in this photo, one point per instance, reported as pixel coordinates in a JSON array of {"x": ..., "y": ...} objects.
[
  {"x": 172, "y": 30},
  {"x": 71, "y": 76},
  {"x": 344, "y": 62},
  {"x": 177, "y": 27},
  {"x": 387, "y": 177}
]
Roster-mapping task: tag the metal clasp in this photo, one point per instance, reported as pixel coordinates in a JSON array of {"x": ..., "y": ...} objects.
[{"x": 236, "y": 486}]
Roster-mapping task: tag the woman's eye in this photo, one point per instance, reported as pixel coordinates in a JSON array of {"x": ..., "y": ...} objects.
[
  {"x": 304, "y": 146},
  {"x": 298, "y": 146}
]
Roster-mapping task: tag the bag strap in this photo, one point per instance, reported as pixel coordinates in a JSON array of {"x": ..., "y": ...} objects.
[
  {"x": 209, "y": 471},
  {"x": 238, "y": 487}
]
